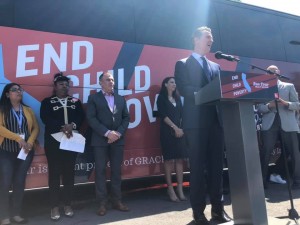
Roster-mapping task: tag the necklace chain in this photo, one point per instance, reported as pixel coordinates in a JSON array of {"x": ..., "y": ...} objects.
[{"x": 171, "y": 99}]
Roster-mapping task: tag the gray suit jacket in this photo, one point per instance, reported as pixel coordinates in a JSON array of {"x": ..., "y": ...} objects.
[
  {"x": 289, "y": 123},
  {"x": 190, "y": 78},
  {"x": 101, "y": 119}
]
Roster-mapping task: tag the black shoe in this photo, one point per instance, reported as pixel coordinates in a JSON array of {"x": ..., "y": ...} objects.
[
  {"x": 120, "y": 206},
  {"x": 200, "y": 219},
  {"x": 221, "y": 216}
]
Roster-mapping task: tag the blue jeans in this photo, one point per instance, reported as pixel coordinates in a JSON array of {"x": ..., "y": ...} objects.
[{"x": 13, "y": 173}]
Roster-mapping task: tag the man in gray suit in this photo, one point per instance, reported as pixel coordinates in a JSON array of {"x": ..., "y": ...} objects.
[
  {"x": 107, "y": 115},
  {"x": 284, "y": 121}
]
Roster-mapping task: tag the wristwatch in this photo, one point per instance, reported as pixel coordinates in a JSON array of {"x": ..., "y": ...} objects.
[{"x": 74, "y": 126}]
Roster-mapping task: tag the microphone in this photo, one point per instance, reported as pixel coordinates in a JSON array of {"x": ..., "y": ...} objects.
[
  {"x": 220, "y": 55},
  {"x": 278, "y": 75}
]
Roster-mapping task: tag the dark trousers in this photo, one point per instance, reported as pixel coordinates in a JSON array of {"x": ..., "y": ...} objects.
[
  {"x": 269, "y": 139},
  {"x": 298, "y": 136},
  {"x": 61, "y": 164},
  {"x": 113, "y": 153},
  {"x": 278, "y": 168},
  {"x": 206, "y": 151},
  {"x": 13, "y": 173}
]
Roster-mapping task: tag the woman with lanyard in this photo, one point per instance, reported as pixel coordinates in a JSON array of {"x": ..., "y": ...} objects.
[
  {"x": 60, "y": 113},
  {"x": 18, "y": 132}
]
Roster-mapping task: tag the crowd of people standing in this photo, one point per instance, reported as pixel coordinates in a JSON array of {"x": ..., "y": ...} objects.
[
  {"x": 107, "y": 115},
  {"x": 187, "y": 131}
]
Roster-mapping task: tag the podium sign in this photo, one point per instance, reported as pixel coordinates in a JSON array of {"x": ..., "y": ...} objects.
[
  {"x": 248, "y": 86},
  {"x": 231, "y": 86}
]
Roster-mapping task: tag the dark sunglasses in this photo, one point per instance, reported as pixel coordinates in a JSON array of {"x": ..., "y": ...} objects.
[{"x": 16, "y": 90}]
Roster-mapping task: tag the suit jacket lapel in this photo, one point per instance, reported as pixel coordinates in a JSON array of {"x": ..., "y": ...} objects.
[
  {"x": 280, "y": 84},
  {"x": 102, "y": 98},
  {"x": 211, "y": 69},
  {"x": 198, "y": 69},
  {"x": 117, "y": 101}
]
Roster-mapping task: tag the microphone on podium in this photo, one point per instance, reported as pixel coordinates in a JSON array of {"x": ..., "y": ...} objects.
[{"x": 221, "y": 55}]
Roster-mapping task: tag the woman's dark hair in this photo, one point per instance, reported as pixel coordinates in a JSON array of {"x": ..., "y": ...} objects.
[
  {"x": 60, "y": 77},
  {"x": 5, "y": 103},
  {"x": 164, "y": 90}
]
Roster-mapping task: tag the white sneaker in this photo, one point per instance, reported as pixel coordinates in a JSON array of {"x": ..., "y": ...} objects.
[
  {"x": 68, "y": 211},
  {"x": 5, "y": 222},
  {"x": 55, "y": 215},
  {"x": 276, "y": 178}
]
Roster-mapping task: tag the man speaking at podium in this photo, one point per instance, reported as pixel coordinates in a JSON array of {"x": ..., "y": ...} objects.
[{"x": 203, "y": 130}]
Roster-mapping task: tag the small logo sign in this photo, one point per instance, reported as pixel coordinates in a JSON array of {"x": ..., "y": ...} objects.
[{"x": 245, "y": 82}]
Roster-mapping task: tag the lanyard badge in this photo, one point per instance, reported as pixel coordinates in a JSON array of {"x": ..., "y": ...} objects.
[{"x": 19, "y": 119}]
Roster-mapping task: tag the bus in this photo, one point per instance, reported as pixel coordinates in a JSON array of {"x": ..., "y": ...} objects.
[{"x": 139, "y": 42}]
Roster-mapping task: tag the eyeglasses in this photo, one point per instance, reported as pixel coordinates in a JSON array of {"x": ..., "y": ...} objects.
[{"x": 16, "y": 90}]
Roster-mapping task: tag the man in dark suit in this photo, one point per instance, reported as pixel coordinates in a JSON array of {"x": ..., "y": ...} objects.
[
  {"x": 203, "y": 130},
  {"x": 107, "y": 115}
]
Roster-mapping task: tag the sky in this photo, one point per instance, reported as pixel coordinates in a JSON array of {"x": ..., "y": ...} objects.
[{"x": 287, "y": 6}]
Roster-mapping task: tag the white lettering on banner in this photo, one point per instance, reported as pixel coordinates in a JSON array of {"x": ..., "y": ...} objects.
[
  {"x": 85, "y": 166},
  {"x": 260, "y": 85},
  {"x": 39, "y": 169},
  {"x": 132, "y": 104},
  {"x": 138, "y": 72},
  {"x": 236, "y": 85},
  {"x": 77, "y": 46},
  {"x": 235, "y": 77},
  {"x": 239, "y": 92},
  {"x": 128, "y": 162},
  {"x": 88, "y": 87},
  {"x": 42, "y": 169},
  {"x": 75, "y": 82},
  {"x": 60, "y": 60},
  {"x": 121, "y": 85},
  {"x": 155, "y": 102},
  {"x": 148, "y": 160},
  {"x": 149, "y": 109},
  {"x": 23, "y": 59},
  {"x": 58, "y": 55},
  {"x": 136, "y": 104},
  {"x": 31, "y": 170},
  {"x": 90, "y": 166}
]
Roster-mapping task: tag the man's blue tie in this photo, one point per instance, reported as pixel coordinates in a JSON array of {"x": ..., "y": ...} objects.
[{"x": 206, "y": 69}]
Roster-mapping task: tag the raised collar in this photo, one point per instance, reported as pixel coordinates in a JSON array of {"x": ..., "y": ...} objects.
[
  {"x": 197, "y": 56},
  {"x": 107, "y": 94}
]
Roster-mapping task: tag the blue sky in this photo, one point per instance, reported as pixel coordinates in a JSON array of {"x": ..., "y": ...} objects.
[{"x": 288, "y": 6}]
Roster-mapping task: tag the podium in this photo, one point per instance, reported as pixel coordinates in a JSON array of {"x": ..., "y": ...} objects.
[{"x": 235, "y": 93}]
